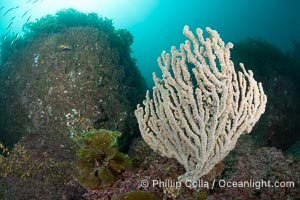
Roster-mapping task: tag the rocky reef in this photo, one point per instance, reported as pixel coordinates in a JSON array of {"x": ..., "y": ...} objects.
[
  {"x": 71, "y": 76},
  {"x": 65, "y": 77},
  {"x": 279, "y": 74},
  {"x": 70, "y": 73}
]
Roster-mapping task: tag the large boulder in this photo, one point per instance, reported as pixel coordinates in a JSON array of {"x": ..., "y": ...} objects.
[{"x": 69, "y": 80}]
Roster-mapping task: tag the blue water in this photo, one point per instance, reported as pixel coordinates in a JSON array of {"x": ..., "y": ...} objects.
[{"x": 157, "y": 25}]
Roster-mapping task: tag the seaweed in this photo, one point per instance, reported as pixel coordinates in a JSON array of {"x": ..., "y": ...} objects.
[
  {"x": 99, "y": 158},
  {"x": 138, "y": 195},
  {"x": 64, "y": 19}
]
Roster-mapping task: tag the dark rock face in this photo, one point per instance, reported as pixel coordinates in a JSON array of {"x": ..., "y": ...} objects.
[
  {"x": 279, "y": 74},
  {"x": 69, "y": 81}
]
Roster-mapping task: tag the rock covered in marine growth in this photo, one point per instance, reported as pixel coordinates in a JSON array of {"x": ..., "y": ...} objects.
[{"x": 73, "y": 80}]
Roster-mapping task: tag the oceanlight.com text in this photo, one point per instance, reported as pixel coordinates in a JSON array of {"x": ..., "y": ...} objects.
[{"x": 257, "y": 184}]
